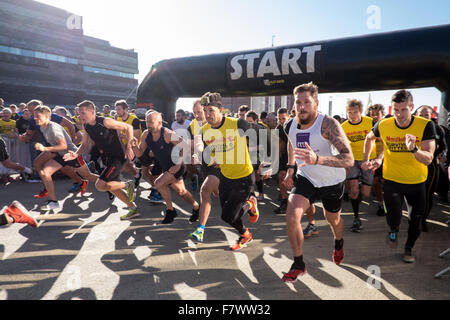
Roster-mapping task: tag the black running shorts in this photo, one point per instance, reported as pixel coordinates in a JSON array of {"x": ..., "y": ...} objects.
[{"x": 331, "y": 196}]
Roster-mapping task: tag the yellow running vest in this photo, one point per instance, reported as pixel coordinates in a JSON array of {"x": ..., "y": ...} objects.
[
  {"x": 229, "y": 149},
  {"x": 356, "y": 134},
  {"x": 399, "y": 164},
  {"x": 123, "y": 133}
]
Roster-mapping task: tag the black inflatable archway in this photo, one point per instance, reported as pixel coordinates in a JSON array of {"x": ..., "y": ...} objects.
[{"x": 403, "y": 59}]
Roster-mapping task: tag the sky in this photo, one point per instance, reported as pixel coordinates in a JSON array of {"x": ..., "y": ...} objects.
[{"x": 160, "y": 30}]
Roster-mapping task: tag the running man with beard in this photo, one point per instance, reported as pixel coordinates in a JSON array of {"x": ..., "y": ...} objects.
[
  {"x": 319, "y": 146},
  {"x": 161, "y": 141},
  {"x": 104, "y": 133}
]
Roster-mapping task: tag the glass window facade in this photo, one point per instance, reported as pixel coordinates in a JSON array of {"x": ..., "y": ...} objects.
[
  {"x": 109, "y": 72},
  {"x": 37, "y": 54}
]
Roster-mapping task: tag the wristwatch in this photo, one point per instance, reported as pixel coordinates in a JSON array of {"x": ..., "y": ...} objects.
[
  {"x": 415, "y": 149},
  {"x": 290, "y": 167}
]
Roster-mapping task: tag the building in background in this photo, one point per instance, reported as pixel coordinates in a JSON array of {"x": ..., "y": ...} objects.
[{"x": 45, "y": 55}]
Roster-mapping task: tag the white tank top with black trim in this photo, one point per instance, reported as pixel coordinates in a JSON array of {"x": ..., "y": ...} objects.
[{"x": 318, "y": 175}]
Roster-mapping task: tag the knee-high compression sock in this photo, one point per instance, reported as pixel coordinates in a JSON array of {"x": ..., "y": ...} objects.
[
  {"x": 259, "y": 186},
  {"x": 355, "y": 207}
]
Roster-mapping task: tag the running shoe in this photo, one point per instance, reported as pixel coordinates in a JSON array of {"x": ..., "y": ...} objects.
[
  {"x": 260, "y": 197},
  {"x": 138, "y": 179},
  {"x": 43, "y": 194},
  {"x": 310, "y": 230},
  {"x": 84, "y": 185},
  {"x": 50, "y": 205},
  {"x": 131, "y": 214},
  {"x": 195, "y": 214},
  {"x": 356, "y": 226},
  {"x": 170, "y": 216},
  {"x": 75, "y": 188},
  {"x": 253, "y": 212},
  {"x": 197, "y": 235},
  {"x": 20, "y": 215},
  {"x": 392, "y": 239},
  {"x": 338, "y": 256},
  {"x": 293, "y": 274},
  {"x": 155, "y": 197},
  {"x": 243, "y": 240},
  {"x": 408, "y": 256},
  {"x": 131, "y": 193}
]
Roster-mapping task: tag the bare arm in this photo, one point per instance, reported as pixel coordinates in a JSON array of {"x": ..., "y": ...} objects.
[
  {"x": 84, "y": 142},
  {"x": 70, "y": 126},
  {"x": 426, "y": 153},
  {"x": 332, "y": 130},
  {"x": 139, "y": 150}
]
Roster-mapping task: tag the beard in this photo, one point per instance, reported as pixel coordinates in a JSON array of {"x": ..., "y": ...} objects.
[{"x": 310, "y": 118}]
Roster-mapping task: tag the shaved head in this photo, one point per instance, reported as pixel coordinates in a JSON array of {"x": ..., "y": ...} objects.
[{"x": 154, "y": 121}]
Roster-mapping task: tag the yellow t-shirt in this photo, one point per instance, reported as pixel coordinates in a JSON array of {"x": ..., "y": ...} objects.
[
  {"x": 356, "y": 134},
  {"x": 229, "y": 149},
  {"x": 7, "y": 127},
  {"x": 399, "y": 164}
]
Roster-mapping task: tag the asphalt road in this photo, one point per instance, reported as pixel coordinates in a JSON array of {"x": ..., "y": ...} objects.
[{"x": 85, "y": 252}]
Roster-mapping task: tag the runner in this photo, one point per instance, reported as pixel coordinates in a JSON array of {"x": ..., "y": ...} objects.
[
  {"x": 211, "y": 172},
  {"x": 432, "y": 178},
  {"x": 319, "y": 146},
  {"x": 124, "y": 116},
  {"x": 356, "y": 128},
  {"x": 161, "y": 141},
  {"x": 408, "y": 150},
  {"x": 104, "y": 133},
  {"x": 283, "y": 117},
  {"x": 229, "y": 146},
  {"x": 252, "y": 117},
  {"x": 376, "y": 112},
  {"x": 59, "y": 143}
]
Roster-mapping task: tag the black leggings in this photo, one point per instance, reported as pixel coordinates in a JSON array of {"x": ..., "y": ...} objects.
[
  {"x": 233, "y": 193},
  {"x": 394, "y": 193},
  {"x": 430, "y": 186}
]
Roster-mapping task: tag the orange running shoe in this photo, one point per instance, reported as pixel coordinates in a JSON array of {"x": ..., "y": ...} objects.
[
  {"x": 20, "y": 215},
  {"x": 243, "y": 240},
  {"x": 253, "y": 212},
  {"x": 84, "y": 187},
  {"x": 42, "y": 195}
]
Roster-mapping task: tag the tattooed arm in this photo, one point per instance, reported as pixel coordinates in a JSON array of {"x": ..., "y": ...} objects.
[{"x": 332, "y": 130}]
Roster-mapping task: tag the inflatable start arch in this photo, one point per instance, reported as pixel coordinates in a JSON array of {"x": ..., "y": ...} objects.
[{"x": 403, "y": 59}]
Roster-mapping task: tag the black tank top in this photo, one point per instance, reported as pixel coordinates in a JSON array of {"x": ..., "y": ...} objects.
[
  {"x": 161, "y": 149},
  {"x": 106, "y": 139}
]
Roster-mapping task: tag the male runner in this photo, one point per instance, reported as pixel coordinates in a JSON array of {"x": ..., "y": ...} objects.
[
  {"x": 58, "y": 142},
  {"x": 161, "y": 141},
  {"x": 376, "y": 112},
  {"x": 319, "y": 146},
  {"x": 356, "y": 129},
  {"x": 210, "y": 172},
  {"x": 229, "y": 145},
  {"x": 408, "y": 150},
  {"x": 104, "y": 133}
]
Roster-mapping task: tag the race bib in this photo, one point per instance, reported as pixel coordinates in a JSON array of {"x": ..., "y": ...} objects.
[{"x": 302, "y": 139}]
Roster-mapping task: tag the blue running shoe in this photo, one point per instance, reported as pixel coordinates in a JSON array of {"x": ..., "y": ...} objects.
[
  {"x": 75, "y": 188},
  {"x": 310, "y": 230},
  {"x": 392, "y": 239}
]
